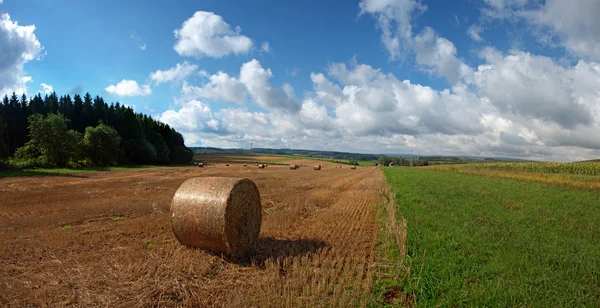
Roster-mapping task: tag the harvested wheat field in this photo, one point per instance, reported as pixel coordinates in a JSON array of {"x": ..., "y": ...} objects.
[{"x": 105, "y": 239}]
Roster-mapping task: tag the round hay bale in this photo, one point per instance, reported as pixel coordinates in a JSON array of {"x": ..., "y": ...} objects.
[
  {"x": 216, "y": 213},
  {"x": 200, "y": 165},
  {"x": 227, "y": 164},
  {"x": 261, "y": 166},
  {"x": 245, "y": 165},
  {"x": 353, "y": 167},
  {"x": 293, "y": 167},
  {"x": 318, "y": 167}
]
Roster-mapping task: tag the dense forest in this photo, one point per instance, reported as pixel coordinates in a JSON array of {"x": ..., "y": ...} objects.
[{"x": 53, "y": 131}]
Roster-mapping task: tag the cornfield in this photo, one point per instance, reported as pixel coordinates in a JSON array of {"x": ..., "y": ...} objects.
[{"x": 580, "y": 168}]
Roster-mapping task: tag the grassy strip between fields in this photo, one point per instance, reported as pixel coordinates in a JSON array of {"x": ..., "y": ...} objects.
[
  {"x": 64, "y": 171},
  {"x": 391, "y": 275},
  {"x": 481, "y": 241}
]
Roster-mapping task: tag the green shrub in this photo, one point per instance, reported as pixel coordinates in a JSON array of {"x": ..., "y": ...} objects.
[
  {"x": 102, "y": 144},
  {"x": 27, "y": 151},
  {"x": 29, "y": 163}
]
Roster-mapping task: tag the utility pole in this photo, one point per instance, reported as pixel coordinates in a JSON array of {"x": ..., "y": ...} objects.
[{"x": 250, "y": 146}]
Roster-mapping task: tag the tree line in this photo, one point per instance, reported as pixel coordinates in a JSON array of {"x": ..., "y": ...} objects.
[
  {"x": 83, "y": 131},
  {"x": 353, "y": 162},
  {"x": 402, "y": 161}
]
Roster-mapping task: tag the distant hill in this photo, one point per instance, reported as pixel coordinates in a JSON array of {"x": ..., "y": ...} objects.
[
  {"x": 341, "y": 155},
  {"x": 306, "y": 153}
]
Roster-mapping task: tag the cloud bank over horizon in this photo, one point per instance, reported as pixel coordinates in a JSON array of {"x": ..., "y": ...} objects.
[{"x": 482, "y": 100}]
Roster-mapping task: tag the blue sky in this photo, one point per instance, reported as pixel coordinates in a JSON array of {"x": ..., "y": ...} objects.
[{"x": 491, "y": 78}]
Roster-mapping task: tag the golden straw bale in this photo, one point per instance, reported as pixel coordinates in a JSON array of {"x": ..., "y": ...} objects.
[{"x": 217, "y": 213}]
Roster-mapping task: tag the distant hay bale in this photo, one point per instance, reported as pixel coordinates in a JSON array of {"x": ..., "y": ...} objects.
[
  {"x": 216, "y": 213},
  {"x": 318, "y": 167},
  {"x": 245, "y": 165},
  {"x": 200, "y": 165},
  {"x": 227, "y": 164},
  {"x": 353, "y": 167},
  {"x": 293, "y": 167},
  {"x": 261, "y": 166}
]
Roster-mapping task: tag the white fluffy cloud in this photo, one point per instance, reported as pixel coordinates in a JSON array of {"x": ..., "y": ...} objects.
[
  {"x": 178, "y": 73},
  {"x": 552, "y": 110},
  {"x": 394, "y": 20},
  {"x": 18, "y": 45},
  {"x": 194, "y": 116},
  {"x": 256, "y": 79},
  {"x": 47, "y": 88},
  {"x": 539, "y": 89},
  {"x": 207, "y": 35},
  {"x": 221, "y": 87},
  {"x": 435, "y": 54},
  {"x": 374, "y": 103},
  {"x": 253, "y": 80},
  {"x": 314, "y": 116},
  {"x": 327, "y": 92},
  {"x": 128, "y": 88},
  {"x": 438, "y": 56},
  {"x": 574, "y": 25}
]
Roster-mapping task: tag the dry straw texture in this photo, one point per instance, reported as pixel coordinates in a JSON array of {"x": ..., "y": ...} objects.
[
  {"x": 316, "y": 248},
  {"x": 217, "y": 213}
]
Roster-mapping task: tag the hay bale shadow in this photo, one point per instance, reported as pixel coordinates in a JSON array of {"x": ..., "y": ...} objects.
[{"x": 276, "y": 249}]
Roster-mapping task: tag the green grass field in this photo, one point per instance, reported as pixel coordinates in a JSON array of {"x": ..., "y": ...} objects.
[
  {"x": 283, "y": 158},
  {"x": 480, "y": 241}
]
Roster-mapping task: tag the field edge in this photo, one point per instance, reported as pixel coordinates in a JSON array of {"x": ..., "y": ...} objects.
[{"x": 392, "y": 275}]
